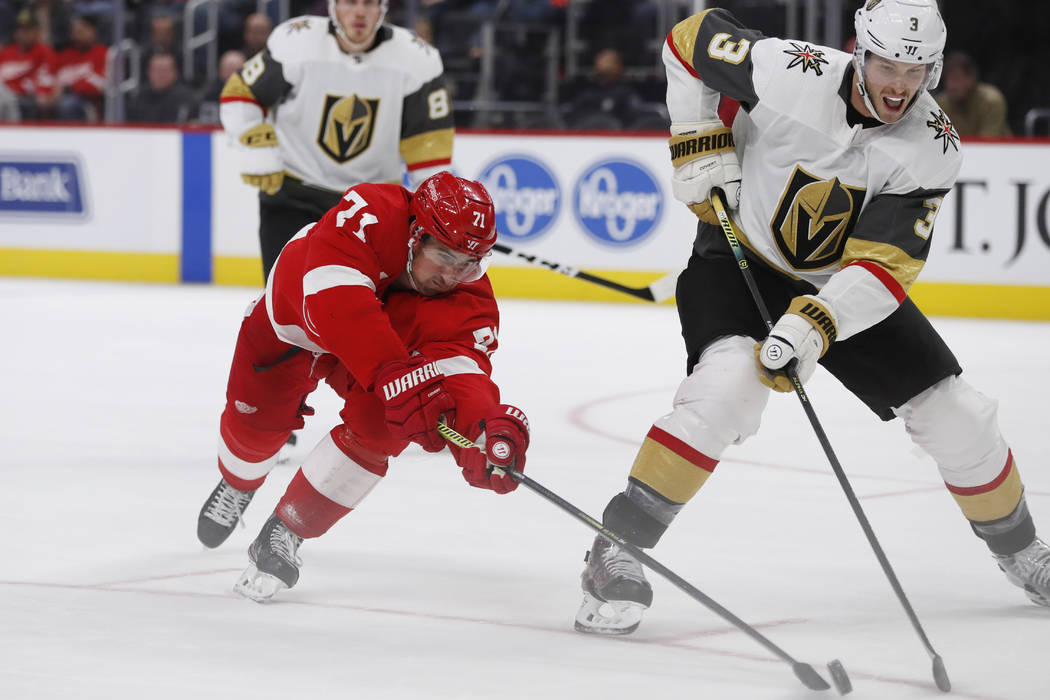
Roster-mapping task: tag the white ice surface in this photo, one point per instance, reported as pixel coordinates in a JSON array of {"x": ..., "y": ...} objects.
[{"x": 109, "y": 399}]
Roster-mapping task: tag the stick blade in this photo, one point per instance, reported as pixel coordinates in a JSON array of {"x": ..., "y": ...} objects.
[
  {"x": 940, "y": 675},
  {"x": 809, "y": 677},
  {"x": 664, "y": 288},
  {"x": 839, "y": 677}
]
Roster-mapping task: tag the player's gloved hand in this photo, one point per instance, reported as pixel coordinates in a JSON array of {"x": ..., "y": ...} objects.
[
  {"x": 502, "y": 443},
  {"x": 413, "y": 394},
  {"x": 261, "y": 164},
  {"x": 703, "y": 157},
  {"x": 804, "y": 333}
]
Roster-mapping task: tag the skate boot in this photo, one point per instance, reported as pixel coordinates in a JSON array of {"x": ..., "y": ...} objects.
[
  {"x": 1029, "y": 569},
  {"x": 615, "y": 592},
  {"x": 274, "y": 562},
  {"x": 221, "y": 513}
]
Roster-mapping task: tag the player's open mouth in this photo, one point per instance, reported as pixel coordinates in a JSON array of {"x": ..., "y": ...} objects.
[{"x": 893, "y": 103}]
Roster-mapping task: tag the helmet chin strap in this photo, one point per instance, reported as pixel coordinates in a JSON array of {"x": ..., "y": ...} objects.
[
  {"x": 867, "y": 101},
  {"x": 408, "y": 269}
]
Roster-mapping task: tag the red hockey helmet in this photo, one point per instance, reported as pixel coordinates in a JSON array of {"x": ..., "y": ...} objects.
[{"x": 457, "y": 212}]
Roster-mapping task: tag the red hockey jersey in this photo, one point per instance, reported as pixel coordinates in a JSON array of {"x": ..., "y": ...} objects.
[
  {"x": 329, "y": 292},
  {"x": 81, "y": 71},
  {"x": 27, "y": 72}
]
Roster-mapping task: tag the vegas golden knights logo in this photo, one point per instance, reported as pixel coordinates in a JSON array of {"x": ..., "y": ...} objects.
[
  {"x": 347, "y": 125},
  {"x": 814, "y": 219}
]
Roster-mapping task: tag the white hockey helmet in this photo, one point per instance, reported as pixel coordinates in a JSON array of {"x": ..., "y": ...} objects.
[
  {"x": 383, "y": 4},
  {"x": 908, "y": 31}
]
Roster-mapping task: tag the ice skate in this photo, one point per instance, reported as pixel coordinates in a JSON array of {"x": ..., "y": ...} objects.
[
  {"x": 615, "y": 592},
  {"x": 221, "y": 513},
  {"x": 274, "y": 562},
  {"x": 1029, "y": 569}
]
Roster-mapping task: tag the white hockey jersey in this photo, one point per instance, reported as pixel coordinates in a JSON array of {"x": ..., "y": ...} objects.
[
  {"x": 342, "y": 119},
  {"x": 846, "y": 207}
]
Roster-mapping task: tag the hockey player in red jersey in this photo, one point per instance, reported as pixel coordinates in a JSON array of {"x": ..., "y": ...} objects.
[
  {"x": 385, "y": 298},
  {"x": 834, "y": 171}
]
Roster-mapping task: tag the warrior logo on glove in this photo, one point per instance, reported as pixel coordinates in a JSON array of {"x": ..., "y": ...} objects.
[
  {"x": 501, "y": 441},
  {"x": 407, "y": 381},
  {"x": 500, "y": 449}
]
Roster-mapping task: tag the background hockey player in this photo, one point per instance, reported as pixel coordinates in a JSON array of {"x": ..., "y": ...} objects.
[
  {"x": 384, "y": 298},
  {"x": 843, "y": 163},
  {"x": 332, "y": 103}
]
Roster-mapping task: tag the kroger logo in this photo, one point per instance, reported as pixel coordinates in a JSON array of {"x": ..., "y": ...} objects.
[
  {"x": 618, "y": 202},
  {"x": 41, "y": 187},
  {"x": 526, "y": 196}
]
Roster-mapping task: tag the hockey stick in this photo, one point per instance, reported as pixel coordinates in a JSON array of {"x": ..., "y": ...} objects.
[
  {"x": 940, "y": 675},
  {"x": 805, "y": 673},
  {"x": 660, "y": 290}
]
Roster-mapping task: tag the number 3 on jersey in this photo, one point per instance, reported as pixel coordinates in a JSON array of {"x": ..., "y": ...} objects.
[
  {"x": 357, "y": 204},
  {"x": 722, "y": 48},
  {"x": 924, "y": 225}
]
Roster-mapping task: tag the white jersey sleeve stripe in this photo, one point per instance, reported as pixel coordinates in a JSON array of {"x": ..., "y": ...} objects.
[
  {"x": 330, "y": 276},
  {"x": 291, "y": 334},
  {"x": 458, "y": 365}
]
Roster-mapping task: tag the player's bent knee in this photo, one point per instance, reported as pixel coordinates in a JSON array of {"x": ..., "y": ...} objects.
[
  {"x": 721, "y": 402},
  {"x": 955, "y": 424}
]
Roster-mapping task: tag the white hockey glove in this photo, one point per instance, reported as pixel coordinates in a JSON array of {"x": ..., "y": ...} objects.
[
  {"x": 703, "y": 157},
  {"x": 804, "y": 333},
  {"x": 261, "y": 164}
]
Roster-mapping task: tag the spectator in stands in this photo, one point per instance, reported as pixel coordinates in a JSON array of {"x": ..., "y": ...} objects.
[
  {"x": 55, "y": 19},
  {"x": 975, "y": 108},
  {"x": 257, "y": 28},
  {"x": 606, "y": 101},
  {"x": 80, "y": 75},
  {"x": 25, "y": 65},
  {"x": 229, "y": 63},
  {"x": 164, "y": 100},
  {"x": 625, "y": 24},
  {"x": 163, "y": 38}
]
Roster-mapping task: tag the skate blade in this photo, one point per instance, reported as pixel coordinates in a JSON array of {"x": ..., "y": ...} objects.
[
  {"x": 597, "y": 616},
  {"x": 258, "y": 585},
  {"x": 1036, "y": 597}
]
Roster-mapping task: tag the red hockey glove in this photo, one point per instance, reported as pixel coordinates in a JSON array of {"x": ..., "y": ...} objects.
[
  {"x": 502, "y": 443},
  {"x": 414, "y": 396}
]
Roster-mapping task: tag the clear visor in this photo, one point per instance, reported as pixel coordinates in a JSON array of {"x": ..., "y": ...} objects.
[
  {"x": 885, "y": 72},
  {"x": 453, "y": 264}
]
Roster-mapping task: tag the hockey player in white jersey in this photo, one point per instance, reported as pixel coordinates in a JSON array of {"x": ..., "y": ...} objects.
[
  {"x": 839, "y": 167},
  {"x": 331, "y": 103}
]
